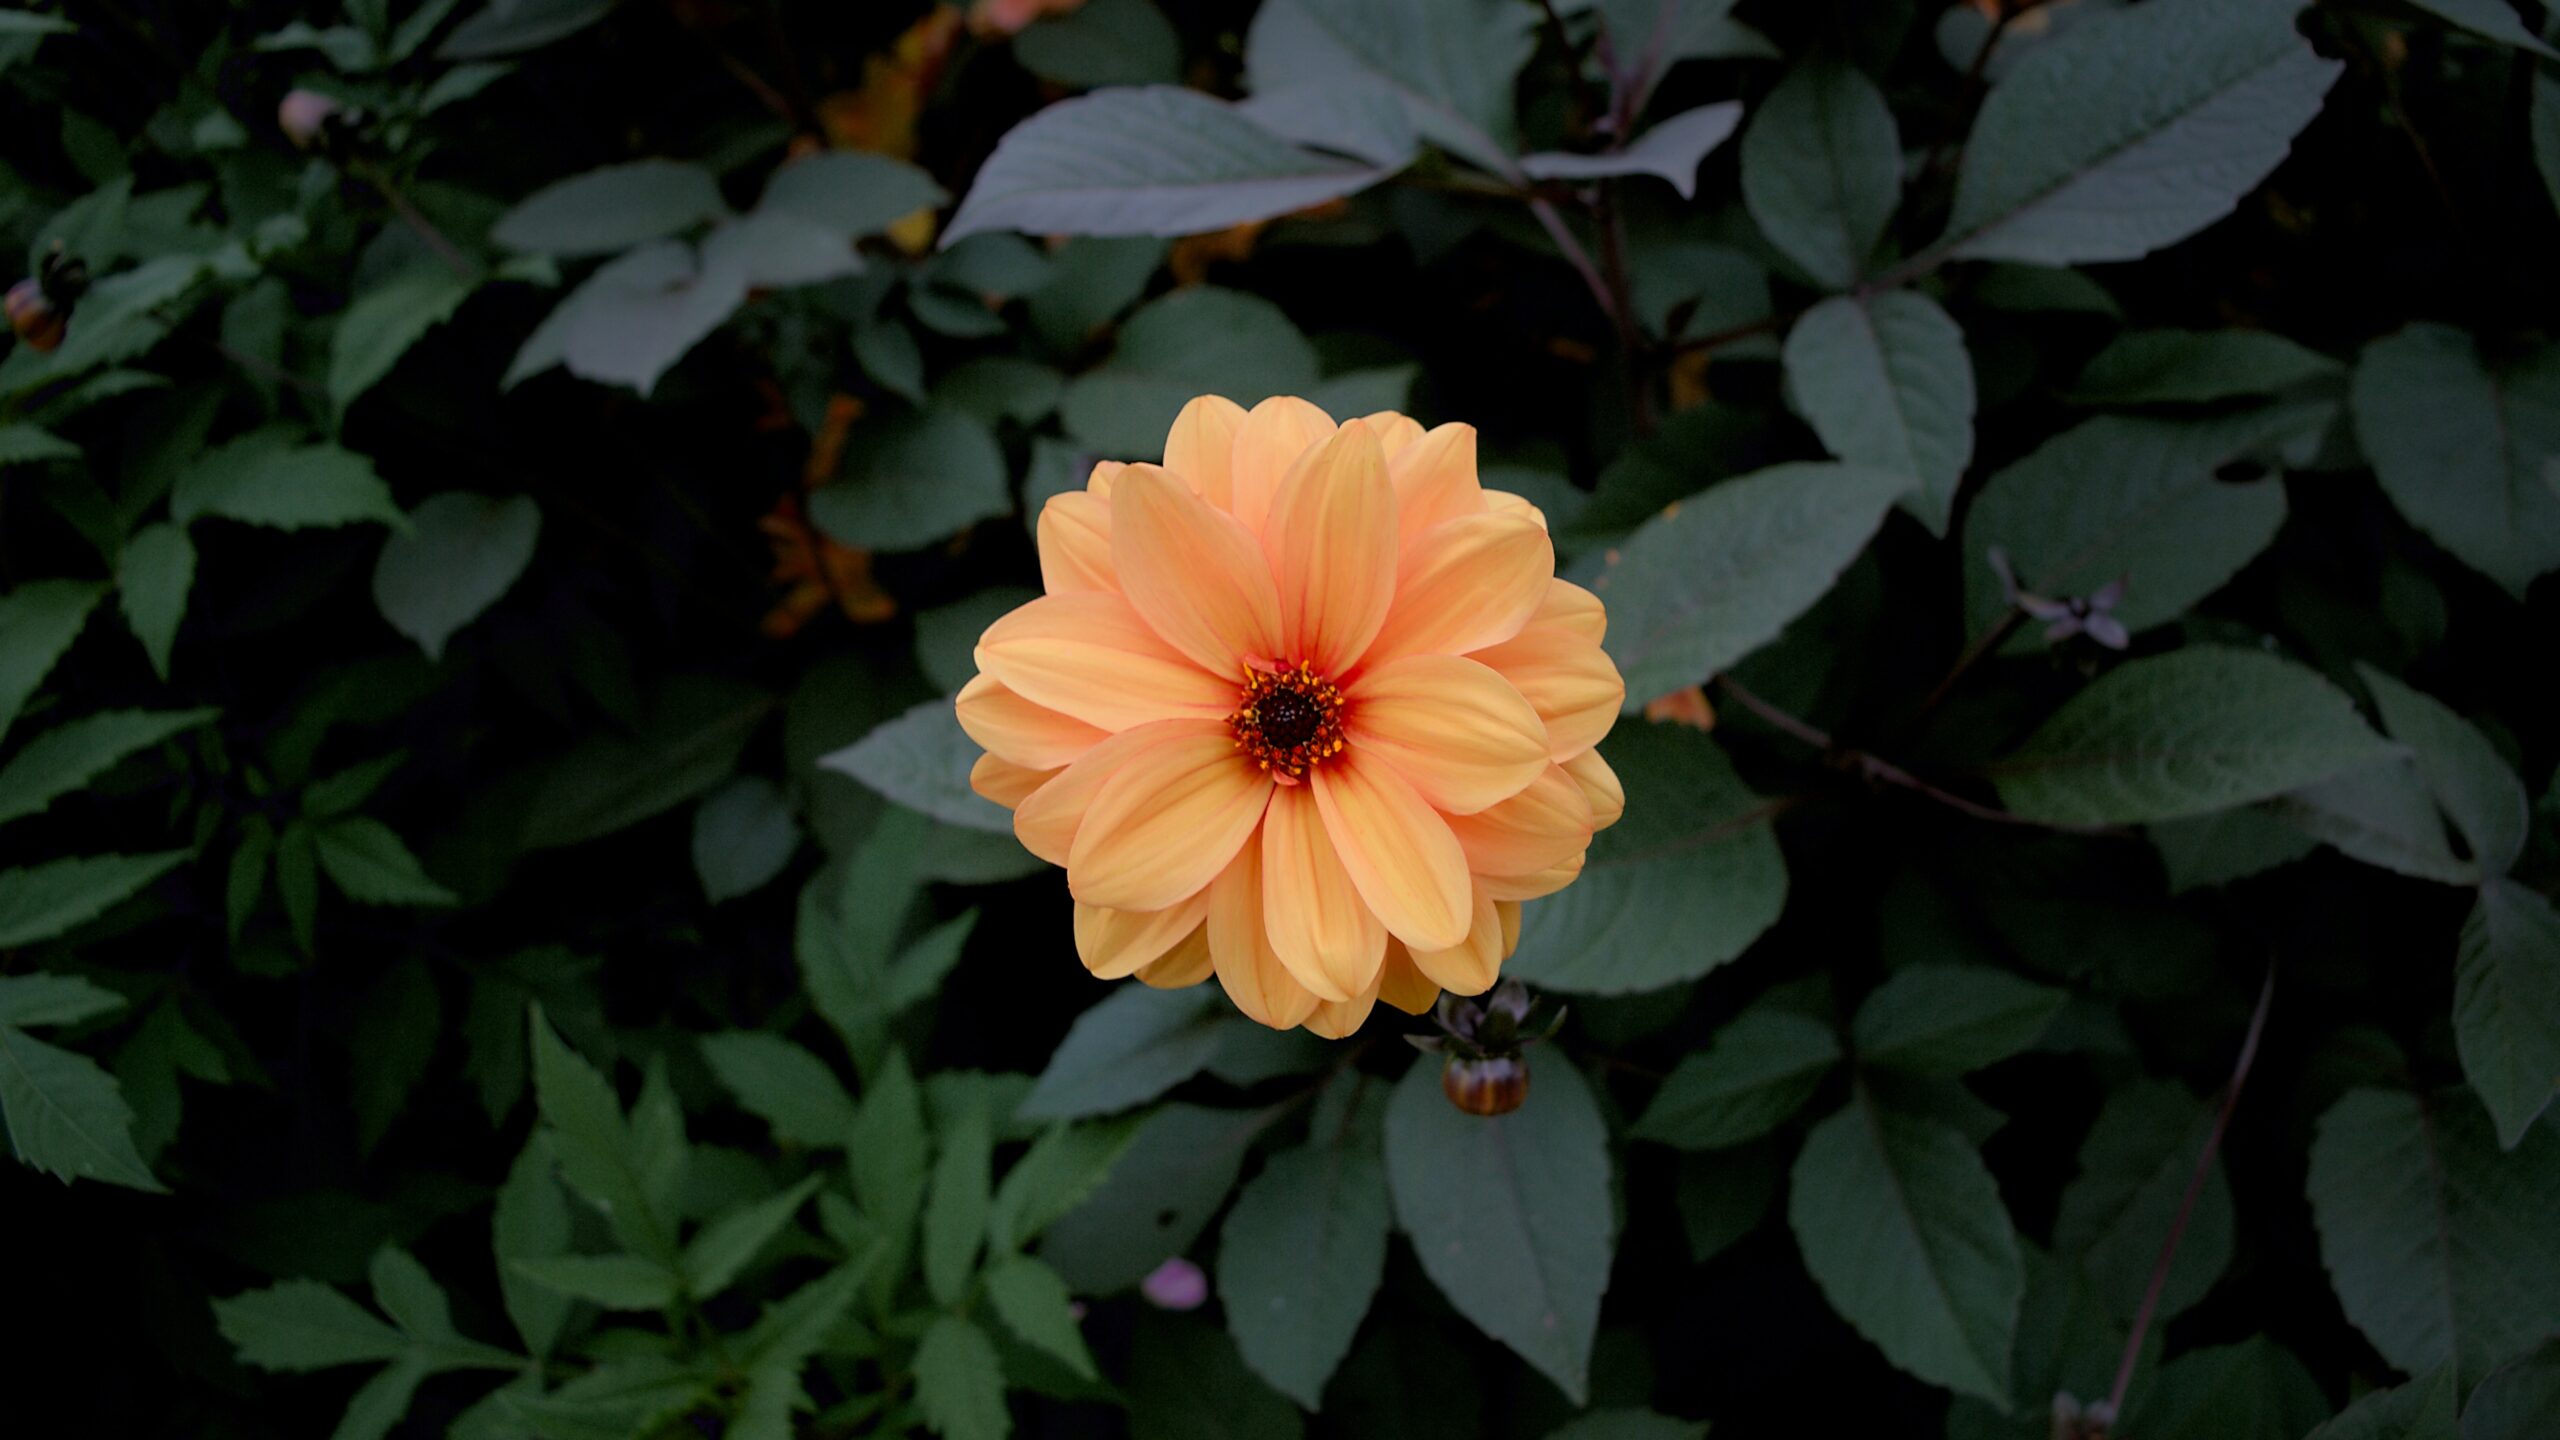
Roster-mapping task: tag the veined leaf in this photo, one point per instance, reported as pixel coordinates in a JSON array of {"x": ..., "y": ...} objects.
[{"x": 69, "y": 756}]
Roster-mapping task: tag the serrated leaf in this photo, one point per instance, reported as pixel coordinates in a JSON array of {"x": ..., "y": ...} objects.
[
  {"x": 1822, "y": 169},
  {"x": 460, "y": 553},
  {"x": 1716, "y": 576},
  {"x": 1885, "y": 382},
  {"x": 1903, "y": 1229},
  {"x": 2506, "y": 1005},
  {"x": 154, "y": 572},
  {"x": 266, "y": 478},
  {"x": 304, "y": 1325},
  {"x": 1671, "y": 891},
  {"x": 1146, "y": 160},
  {"x": 1757, "y": 1071},
  {"x": 955, "y": 1217},
  {"x": 787, "y": 1087},
  {"x": 600, "y": 1156},
  {"x": 2131, "y": 499},
  {"x": 531, "y": 1222},
  {"x": 723, "y": 1249},
  {"x": 381, "y": 324},
  {"x": 38, "y": 621},
  {"x": 2459, "y": 445},
  {"x": 41, "y": 999},
  {"x": 70, "y": 755},
  {"x": 1135, "y": 1045},
  {"x": 921, "y": 760},
  {"x": 1300, "y": 1258},
  {"x": 2193, "y": 731},
  {"x": 1033, "y": 1303},
  {"x": 1948, "y": 1019},
  {"x": 372, "y": 865},
  {"x": 960, "y": 1383},
  {"x": 66, "y": 1116},
  {"x": 2442, "y": 1250},
  {"x": 611, "y": 208},
  {"x": 2135, "y": 130},
  {"x": 616, "y": 1282},
  {"x": 1054, "y": 1176},
  {"x": 39, "y": 902},
  {"x": 1510, "y": 1214}
]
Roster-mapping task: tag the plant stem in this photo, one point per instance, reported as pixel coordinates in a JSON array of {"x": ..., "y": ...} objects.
[
  {"x": 1575, "y": 255},
  {"x": 1983, "y": 644},
  {"x": 391, "y": 193},
  {"x": 2187, "y": 1205}
]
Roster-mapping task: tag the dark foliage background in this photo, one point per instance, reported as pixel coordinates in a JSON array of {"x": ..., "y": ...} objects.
[{"x": 494, "y": 939}]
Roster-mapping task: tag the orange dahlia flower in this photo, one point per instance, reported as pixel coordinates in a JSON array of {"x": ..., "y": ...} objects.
[{"x": 1305, "y": 706}]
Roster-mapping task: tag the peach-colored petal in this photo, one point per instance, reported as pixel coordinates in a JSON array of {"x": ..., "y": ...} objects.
[
  {"x": 1459, "y": 732},
  {"x": 1183, "y": 966},
  {"x": 1114, "y": 944},
  {"x": 1004, "y": 782},
  {"x": 1509, "y": 912},
  {"x": 1201, "y": 447},
  {"x": 1318, "y": 925},
  {"x": 1402, "y": 984},
  {"x": 1099, "y": 480},
  {"x": 1331, "y": 539},
  {"x": 1543, "y": 826},
  {"x": 1569, "y": 681},
  {"x": 1504, "y": 502},
  {"x": 1399, "y": 852},
  {"x": 1394, "y": 431},
  {"x": 1161, "y": 829},
  {"x": 1075, "y": 544},
  {"x": 1274, "y": 434},
  {"x": 1573, "y": 608},
  {"x": 1005, "y": 724},
  {"x": 1472, "y": 965},
  {"x": 1536, "y": 885},
  {"x": 1249, "y": 970},
  {"x": 1465, "y": 584},
  {"x": 1090, "y": 656},
  {"x": 1435, "y": 480},
  {"x": 1046, "y": 822},
  {"x": 1599, "y": 786},
  {"x": 1195, "y": 574},
  {"x": 1334, "y": 1019}
]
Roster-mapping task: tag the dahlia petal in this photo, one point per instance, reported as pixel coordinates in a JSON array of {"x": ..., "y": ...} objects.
[
  {"x": 1075, "y": 544},
  {"x": 1331, "y": 539},
  {"x": 1509, "y": 912},
  {"x": 1599, "y": 786},
  {"x": 1005, "y": 724},
  {"x": 1394, "y": 431},
  {"x": 1249, "y": 970},
  {"x": 1400, "y": 854},
  {"x": 1201, "y": 447},
  {"x": 1162, "y": 828},
  {"x": 1104, "y": 474},
  {"x": 1183, "y": 966},
  {"x": 1334, "y": 1019},
  {"x": 1435, "y": 480},
  {"x": 1535, "y": 886},
  {"x": 1116, "y": 944},
  {"x": 1575, "y": 609},
  {"x": 1546, "y": 824},
  {"x": 1504, "y": 502},
  {"x": 1196, "y": 575},
  {"x": 1047, "y": 820},
  {"x": 1472, "y": 965},
  {"x": 1464, "y": 584},
  {"x": 1318, "y": 925},
  {"x": 1569, "y": 681},
  {"x": 1004, "y": 782},
  {"x": 1090, "y": 656},
  {"x": 1402, "y": 984},
  {"x": 1455, "y": 729},
  {"x": 1274, "y": 434}
]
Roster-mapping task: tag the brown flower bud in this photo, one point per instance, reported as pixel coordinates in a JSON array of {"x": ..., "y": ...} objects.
[
  {"x": 38, "y": 322},
  {"x": 1487, "y": 1085},
  {"x": 305, "y": 117}
]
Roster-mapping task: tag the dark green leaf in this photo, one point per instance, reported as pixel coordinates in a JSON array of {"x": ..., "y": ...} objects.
[
  {"x": 304, "y": 1325},
  {"x": 2420, "y": 1409},
  {"x": 390, "y": 1046},
  {"x": 2461, "y": 768},
  {"x": 1103, "y": 42},
  {"x": 42, "y": 901},
  {"x": 601, "y": 1157},
  {"x": 616, "y": 1282},
  {"x": 1510, "y": 1215},
  {"x": 459, "y": 555},
  {"x": 1886, "y": 383},
  {"x": 955, "y": 1219},
  {"x": 1135, "y": 1045},
  {"x": 743, "y": 836},
  {"x": 921, "y": 760},
  {"x": 2190, "y": 367},
  {"x": 2506, "y": 1005},
  {"x": 2135, "y": 1167},
  {"x": 790, "y": 1089},
  {"x": 2255, "y": 1390},
  {"x": 38, "y": 621},
  {"x": 914, "y": 480},
  {"x": 1757, "y": 1071},
  {"x": 153, "y": 574},
  {"x": 723, "y": 1249},
  {"x": 610, "y": 209},
  {"x": 1185, "y": 1382},
  {"x": 266, "y": 478},
  {"x": 1449, "y": 63},
  {"x": 1033, "y": 1303},
  {"x": 40, "y": 999},
  {"x": 1948, "y": 1019},
  {"x": 1157, "y": 1198},
  {"x": 2459, "y": 444},
  {"x": 531, "y": 1222},
  {"x": 850, "y": 192},
  {"x": 686, "y": 742},
  {"x": 2518, "y": 1400},
  {"x": 1903, "y": 1229},
  {"x": 1300, "y": 1258},
  {"x": 960, "y": 1383},
  {"x": 66, "y": 1116},
  {"x": 371, "y": 865},
  {"x": 381, "y": 324},
  {"x": 1822, "y": 170},
  {"x": 71, "y": 755}
]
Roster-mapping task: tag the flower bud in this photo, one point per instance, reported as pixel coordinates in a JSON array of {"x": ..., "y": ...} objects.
[
  {"x": 306, "y": 116},
  {"x": 1488, "y": 1085},
  {"x": 1177, "y": 1284},
  {"x": 38, "y": 322}
]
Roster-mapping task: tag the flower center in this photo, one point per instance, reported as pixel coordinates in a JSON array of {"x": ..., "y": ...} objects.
[{"x": 1289, "y": 721}]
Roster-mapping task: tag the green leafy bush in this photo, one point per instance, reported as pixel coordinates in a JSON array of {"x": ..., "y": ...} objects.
[{"x": 496, "y": 497}]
